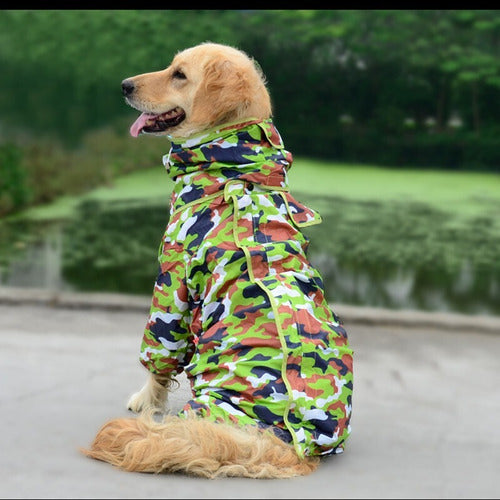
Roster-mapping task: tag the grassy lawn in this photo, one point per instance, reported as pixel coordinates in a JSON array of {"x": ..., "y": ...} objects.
[
  {"x": 463, "y": 193},
  {"x": 143, "y": 184}
]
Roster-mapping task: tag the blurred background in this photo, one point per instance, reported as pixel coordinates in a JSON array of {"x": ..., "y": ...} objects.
[{"x": 392, "y": 117}]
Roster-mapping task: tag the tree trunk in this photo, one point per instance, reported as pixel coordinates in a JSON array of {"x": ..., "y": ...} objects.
[
  {"x": 475, "y": 106},
  {"x": 441, "y": 105}
]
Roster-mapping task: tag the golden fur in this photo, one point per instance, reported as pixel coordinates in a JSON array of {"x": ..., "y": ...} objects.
[
  {"x": 210, "y": 84},
  {"x": 222, "y": 85},
  {"x": 196, "y": 446}
]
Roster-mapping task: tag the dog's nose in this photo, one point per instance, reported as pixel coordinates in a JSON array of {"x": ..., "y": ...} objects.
[{"x": 127, "y": 87}]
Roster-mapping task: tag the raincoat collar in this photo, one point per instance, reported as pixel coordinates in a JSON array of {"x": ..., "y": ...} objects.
[{"x": 250, "y": 151}]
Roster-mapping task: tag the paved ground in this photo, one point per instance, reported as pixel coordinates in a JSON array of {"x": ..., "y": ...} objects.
[{"x": 426, "y": 409}]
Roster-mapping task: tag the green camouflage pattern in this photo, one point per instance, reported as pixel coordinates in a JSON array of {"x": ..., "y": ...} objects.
[{"x": 237, "y": 305}]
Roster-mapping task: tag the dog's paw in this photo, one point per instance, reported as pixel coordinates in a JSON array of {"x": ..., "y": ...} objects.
[
  {"x": 138, "y": 401},
  {"x": 152, "y": 396}
]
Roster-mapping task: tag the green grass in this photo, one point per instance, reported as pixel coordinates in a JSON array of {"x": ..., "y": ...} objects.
[
  {"x": 152, "y": 183},
  {"x": 463, "y": 193}
]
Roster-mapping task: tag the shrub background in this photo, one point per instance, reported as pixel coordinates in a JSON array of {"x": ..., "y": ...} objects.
[{"x": 393, "y": 87}]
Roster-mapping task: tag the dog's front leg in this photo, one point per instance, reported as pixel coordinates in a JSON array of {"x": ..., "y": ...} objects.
[{"x": 152, "y": 395}]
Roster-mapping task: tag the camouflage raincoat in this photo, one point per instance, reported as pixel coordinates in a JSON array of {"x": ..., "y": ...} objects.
[{"x": 237, "y": 305}]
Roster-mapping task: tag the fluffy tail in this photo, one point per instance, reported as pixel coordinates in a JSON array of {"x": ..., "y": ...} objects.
[{"x": 196, "y": 446}]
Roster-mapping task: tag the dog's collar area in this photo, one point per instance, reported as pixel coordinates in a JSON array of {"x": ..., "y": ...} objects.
[
  {"x": 230, "y": 189},
  {"x": 242, "y": 163},
  {"x": 251, "y": 152},
  {"x": 242, "y": 187},
  {"x": 226, "y": 129}
]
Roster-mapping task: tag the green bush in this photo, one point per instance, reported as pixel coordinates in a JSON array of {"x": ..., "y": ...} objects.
[
  {"x": 446, "y": 150},
  {"x": 36, "y": 171},
  {"x": 14, "y": 192}
]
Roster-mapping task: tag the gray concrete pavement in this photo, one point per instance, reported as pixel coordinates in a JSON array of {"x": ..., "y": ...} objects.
[{"x": 426, "y": 407}]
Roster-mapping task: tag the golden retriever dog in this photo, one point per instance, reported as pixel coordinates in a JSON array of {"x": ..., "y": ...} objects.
[{"x": 236, "y": 305}]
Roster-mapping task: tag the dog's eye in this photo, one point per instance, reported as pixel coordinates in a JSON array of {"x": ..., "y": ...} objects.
[{"x": 179, "y": 74}]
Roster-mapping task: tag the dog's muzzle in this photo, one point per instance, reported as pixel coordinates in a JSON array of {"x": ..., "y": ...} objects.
[{"x": 128, "y": 87}]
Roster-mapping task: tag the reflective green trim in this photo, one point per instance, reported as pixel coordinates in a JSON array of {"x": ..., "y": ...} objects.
[
  {"x": 317, "y": 220},
  {"x": 212, "y": 133}
]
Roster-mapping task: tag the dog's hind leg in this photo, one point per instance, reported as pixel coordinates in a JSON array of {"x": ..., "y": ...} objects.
[{"x": 196, "y": 446}]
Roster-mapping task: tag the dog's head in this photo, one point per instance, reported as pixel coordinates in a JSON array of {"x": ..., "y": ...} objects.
[{"x": 204, "y": 86}]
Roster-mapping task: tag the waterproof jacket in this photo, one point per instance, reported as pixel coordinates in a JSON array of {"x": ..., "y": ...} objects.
[{"x": 237, "y": 305}]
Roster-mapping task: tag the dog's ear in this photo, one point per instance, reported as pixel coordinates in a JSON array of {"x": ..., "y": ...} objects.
[{"x": 230, "y": 92}]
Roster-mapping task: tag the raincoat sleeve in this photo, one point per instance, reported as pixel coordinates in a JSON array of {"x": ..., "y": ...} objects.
[{"x": 167, "y": 344}]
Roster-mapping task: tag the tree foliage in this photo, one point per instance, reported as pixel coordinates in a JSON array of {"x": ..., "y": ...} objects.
[{"x": 360, "y": 85}]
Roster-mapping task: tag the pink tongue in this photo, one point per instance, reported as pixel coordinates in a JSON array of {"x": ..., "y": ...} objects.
[{"x": 138, "y": 125}]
